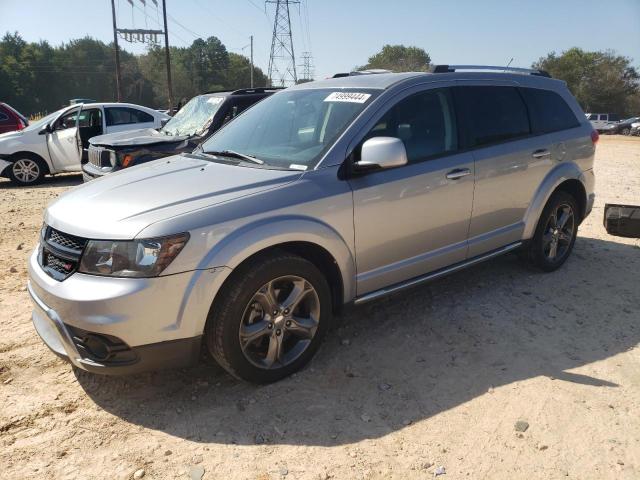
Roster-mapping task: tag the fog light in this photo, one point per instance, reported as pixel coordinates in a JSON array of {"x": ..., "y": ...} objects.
[{"x": 97, "y": 347}]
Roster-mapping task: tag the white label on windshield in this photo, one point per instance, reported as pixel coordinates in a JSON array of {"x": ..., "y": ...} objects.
[
  {"x": 214, "y": 100},
  {"x": 295, "y": 166},
  {"x": 353, "y": 97}
]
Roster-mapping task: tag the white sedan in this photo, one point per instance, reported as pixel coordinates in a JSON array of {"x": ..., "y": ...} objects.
[{"x": 58, "y": 142}]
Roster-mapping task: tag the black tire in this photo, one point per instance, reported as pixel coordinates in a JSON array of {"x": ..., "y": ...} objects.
[
  {"x": 19, "y": 176},
  {"x": 228, "y": 313},
  {"x": 537, "y": 251},
  {"x": 626, "y": 131}
]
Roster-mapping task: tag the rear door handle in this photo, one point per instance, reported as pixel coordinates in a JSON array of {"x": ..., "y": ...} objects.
[
  {"x": 458, "y": 173},
  {"x": 542, "y": 153}
]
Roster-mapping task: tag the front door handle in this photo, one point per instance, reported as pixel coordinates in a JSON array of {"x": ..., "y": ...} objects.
[
  {"x": 542, "y": 153},
  {"x": 458, "y": 173}
]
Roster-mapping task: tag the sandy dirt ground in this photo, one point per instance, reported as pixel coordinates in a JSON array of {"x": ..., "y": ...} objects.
[{"x": 434, "y": 377}]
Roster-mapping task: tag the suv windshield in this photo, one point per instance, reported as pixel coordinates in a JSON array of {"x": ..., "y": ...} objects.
[
  {"x": 291, "y": 129},
  {"x": 194, "y": 117}
]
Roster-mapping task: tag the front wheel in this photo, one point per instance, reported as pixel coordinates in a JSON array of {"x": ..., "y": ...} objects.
[
  {"x": 626, "y": 131},
  {"x": 269, "y": 319},
  {"x": 26, "y": 171},
  {"x": 555, "y": 234}
]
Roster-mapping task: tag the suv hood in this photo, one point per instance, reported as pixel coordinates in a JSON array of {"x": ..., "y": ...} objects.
[
  {"x": 122, "y": 204},
  {"x": 133, "y": 138}
]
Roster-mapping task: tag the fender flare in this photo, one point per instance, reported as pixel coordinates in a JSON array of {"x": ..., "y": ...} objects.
[
  {"x": 257, "y": 236},
  {"x": 560, "y": 174}
]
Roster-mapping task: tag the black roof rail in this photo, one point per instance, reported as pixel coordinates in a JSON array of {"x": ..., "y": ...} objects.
[
  {"x": 454, "y": 68},
  {"x": 244, "y": 91},
  {"x": 372, "y": 71}
]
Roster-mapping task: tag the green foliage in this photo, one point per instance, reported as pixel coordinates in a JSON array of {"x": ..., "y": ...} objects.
[
  {"x": 399, "y": 58},
  {"x": 36, "y": 77},
  {"x": 600, "y": 81}
]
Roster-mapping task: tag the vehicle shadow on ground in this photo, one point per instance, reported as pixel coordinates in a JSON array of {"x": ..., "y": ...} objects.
[
  {"x": 407, "y": 357},
  {"x": 63, "y": 180}
]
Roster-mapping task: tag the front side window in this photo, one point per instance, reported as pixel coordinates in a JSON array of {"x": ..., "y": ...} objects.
[
  {"x": 126, "y": 115},
  {"x": 425, "y": 123},
  {"x": 494, "y": 114},
  {"x": 292, "y": 129},
  {"x": 548, "y": 111},
  {"x": 68, "y": 120},
  {"x": 195, "y": 117}
]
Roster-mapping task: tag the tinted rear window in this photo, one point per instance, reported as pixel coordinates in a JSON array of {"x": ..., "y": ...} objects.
[
  {"x": 493, "y": 114},
  {"x": 548, "y": 111}
]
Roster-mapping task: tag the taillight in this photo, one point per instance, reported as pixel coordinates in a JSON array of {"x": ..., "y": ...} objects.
[
  {"x": 595, "y": 136},
  {"x": 21, "y": 125}
]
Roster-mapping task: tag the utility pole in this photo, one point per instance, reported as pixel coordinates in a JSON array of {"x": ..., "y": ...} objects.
[
  {"x": 115, "y": 42},
  {"x": 282, "y": 60},
  {"x": 251, "y": 61},
  {"x": 168, "y": 59}
]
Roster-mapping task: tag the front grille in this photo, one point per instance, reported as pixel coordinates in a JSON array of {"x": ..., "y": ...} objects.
[
  {"x": 99, "y": 156},
  {"x": 68, "y": 241},
  {"x": 60, "y": 253}
]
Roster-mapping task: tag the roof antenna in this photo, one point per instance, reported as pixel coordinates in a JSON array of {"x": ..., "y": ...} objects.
[{"x": 505, "y": 68}]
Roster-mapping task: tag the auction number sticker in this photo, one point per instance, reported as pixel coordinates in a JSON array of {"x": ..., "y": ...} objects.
[{"x": 352, "y": 97}]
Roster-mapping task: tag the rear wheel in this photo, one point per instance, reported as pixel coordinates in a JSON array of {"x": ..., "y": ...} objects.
[
  {"x": 555, "y": 234},
  {"x": 27, "y": 171},
  {"x": 270, "y": 318}
]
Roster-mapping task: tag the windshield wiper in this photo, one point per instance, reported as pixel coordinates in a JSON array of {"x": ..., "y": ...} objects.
[{"x": 233, "y": 154}]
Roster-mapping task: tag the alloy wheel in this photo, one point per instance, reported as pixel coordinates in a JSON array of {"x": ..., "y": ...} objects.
[
  {"x": 558, "y": 233},
  {"x": 279, "y": 322},
  {"x": 26, "y": 170}
]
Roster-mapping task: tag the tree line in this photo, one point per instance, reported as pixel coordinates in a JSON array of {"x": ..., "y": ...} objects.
[{"x": 38, "y": 77}]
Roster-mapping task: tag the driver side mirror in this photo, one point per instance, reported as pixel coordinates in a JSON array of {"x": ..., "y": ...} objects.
[
  {"x": 46, "y": 129},
  {"x": 381, "y": 153}
]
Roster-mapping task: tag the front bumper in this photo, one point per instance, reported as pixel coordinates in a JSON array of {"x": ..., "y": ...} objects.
[
  {"x": 90, "y": 171},
  {"x": 146, "y": 323}
]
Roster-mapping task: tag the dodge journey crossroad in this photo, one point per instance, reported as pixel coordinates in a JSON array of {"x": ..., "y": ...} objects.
[{"x": 327, "y": 193}]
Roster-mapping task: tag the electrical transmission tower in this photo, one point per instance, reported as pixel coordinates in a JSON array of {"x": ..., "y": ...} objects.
[
  {"x": 307, "y": 67},
  {"x": 282, "y": 61}
]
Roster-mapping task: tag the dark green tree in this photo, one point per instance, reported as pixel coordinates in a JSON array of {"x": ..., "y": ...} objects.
[
  {"x": 399, "y": 58},
  {"x": 601, "y": 81}
]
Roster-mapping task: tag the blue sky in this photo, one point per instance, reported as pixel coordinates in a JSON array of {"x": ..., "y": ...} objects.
[{"x": 343, "y": 34}]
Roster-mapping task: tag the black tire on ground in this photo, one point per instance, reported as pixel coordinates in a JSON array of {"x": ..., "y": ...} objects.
[
  {"x": 27, "y": 170},
  {"x": 538, "y": 251},
  {"x": 228, "y": 312},
  {"x": 626, "y": 131}
]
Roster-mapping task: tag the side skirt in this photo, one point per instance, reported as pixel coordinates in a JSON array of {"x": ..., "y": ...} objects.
[{"x": 434, "y": 275}]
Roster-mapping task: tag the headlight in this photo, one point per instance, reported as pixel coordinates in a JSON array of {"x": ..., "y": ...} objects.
[
  {"x": 131, "y": 258},
  {"x": 112, "y": 158}
]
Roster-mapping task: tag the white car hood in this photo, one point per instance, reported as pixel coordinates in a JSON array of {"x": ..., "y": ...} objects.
[
  {"x": 122, "y": 204},
  {"x": 9, "y": 135}
]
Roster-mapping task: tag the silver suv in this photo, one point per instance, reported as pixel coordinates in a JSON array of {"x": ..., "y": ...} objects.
[{"x": 328, "y": 193}]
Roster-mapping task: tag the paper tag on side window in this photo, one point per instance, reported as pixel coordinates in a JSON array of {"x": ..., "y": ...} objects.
[{"x": 353, "y": 97}]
